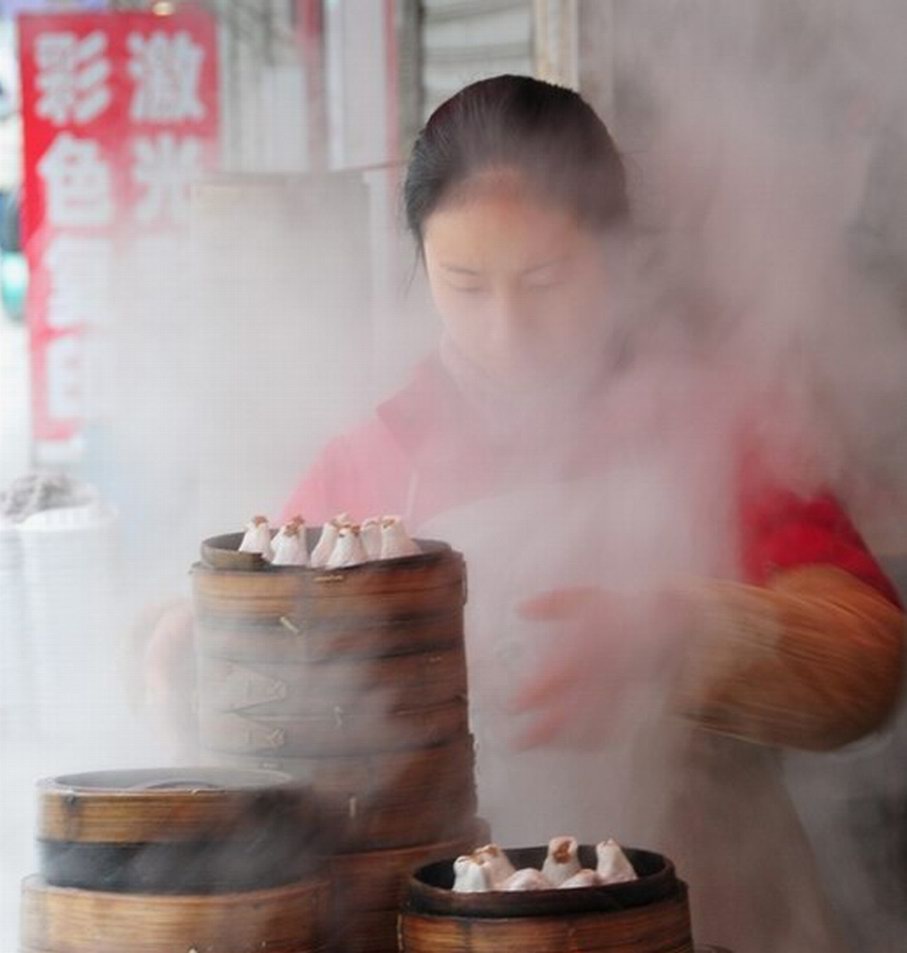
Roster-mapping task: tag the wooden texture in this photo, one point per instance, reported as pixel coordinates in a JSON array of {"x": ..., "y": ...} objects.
[
  {"x": 292, "y": 919},
  {"x": 375, "y": 685},
  {"x": 255, "y": 859},
  {"x": 376, "y": 880},
  {"x": 150, "y": 806},
  {"x": 407, "y": 774},
  {"x": 393, "y": 777},
  {"x": 343, "y": 732},
  {"x": 328, "y": 947},
  {"x": 369, "y": 887},
  {"x": 354, "y": 680},
  {"x": 392, "y": 799},
  {"x": 272, "y": 597},
  {"x": 374, "y": 931},
  {"x": 657, "y": 928},
  {"x": 386, "y": 826},
  {"x": 427, "y": 584},
  {"x": 293, "y": 642}
]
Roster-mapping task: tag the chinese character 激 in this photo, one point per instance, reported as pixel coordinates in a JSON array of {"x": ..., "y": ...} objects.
[{"x": 166, "y": 68}]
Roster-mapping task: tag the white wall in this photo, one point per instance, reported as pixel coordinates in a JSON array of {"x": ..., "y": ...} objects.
[{"x": 357, "y": 83}]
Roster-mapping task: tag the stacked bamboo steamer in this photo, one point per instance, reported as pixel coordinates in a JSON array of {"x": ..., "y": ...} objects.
[
  {"x": 210, "y": 860},
  {"x": 354, "y": 680}
]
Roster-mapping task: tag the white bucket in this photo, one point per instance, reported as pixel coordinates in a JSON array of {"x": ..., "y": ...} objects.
[{"x": 69, "y": 585}]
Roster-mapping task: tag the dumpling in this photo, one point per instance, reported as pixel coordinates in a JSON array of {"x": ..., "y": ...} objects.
[
  {"x": 470, "y": 876},
  {"x": 582, "y": 878},
  {"x": 613, "y": 865},
  {"x": 328, "y": 539},
  {"x": 526, "y": 879},
  {"x": 348, "y": 550},
  {"x": 496, "y": 862},
  {"x": 257, "y": 538},
  {"x": 371, "y": 537},
  {"x": 562, "y": 861},
  {"x": 395, "y": 541},
  {"x": 289, "y": 545}
]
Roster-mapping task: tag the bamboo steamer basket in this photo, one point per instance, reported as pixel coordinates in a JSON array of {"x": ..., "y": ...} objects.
[
  {"x": 403, "y": 777},
  {"x": 389, "y": 799},
  {"x": 285, "y": 641},
  {"x": 354, "y": 680},
  {"x": 282, "y": 699},
  {"x": 374, "y": 931},
  {"x": 346, "y": 731},
  {"x": 302, "y": 599},
  {"x": 294, "y": 918},
  {"x": 376, "y": 880},
  {"x": 649, "y": 915},
  {"x": 372, "y": 685},
  {"x": 188, "y": 830},
  {"x": 369, "y": 887}
]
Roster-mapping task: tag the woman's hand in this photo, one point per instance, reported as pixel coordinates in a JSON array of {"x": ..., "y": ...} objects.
[
  {"x": 168, "y": 676},
  {"x": 605, "y": 649}
]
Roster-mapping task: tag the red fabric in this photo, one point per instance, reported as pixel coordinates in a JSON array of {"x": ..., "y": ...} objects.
[
  {"x": 400, "y": 459},
  {"x": 780, "y": 530},
  {"x": 363, "y": 472},
  {"x": 420, "y": 454}
]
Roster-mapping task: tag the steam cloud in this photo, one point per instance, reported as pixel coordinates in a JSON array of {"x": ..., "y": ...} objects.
[{"x": 766, "y": 144}]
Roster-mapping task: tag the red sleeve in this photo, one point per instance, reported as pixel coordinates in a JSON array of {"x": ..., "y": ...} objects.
[{"x": 781, "y": 530}]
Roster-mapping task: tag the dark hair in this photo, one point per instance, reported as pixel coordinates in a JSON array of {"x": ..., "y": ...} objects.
[{"x": 548, "y": 133}]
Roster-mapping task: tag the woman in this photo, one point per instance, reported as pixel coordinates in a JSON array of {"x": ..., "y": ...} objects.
[{"x": 654, "y": 612}]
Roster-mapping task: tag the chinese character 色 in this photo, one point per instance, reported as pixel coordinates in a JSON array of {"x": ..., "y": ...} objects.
[{"x": 77, "y": 183}]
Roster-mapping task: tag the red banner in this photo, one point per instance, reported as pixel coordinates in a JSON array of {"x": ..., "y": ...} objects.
[{"x": 120, "y": 115}]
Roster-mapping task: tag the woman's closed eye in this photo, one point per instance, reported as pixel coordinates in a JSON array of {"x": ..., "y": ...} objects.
[
  {"x": 473, "y": 290},
  {"x": 546, "y": 276}
]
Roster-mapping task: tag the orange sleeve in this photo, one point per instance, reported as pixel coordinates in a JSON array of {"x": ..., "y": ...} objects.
[{"x": 812, "y": 660}]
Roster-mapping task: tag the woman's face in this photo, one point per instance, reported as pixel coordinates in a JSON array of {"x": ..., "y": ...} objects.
[{"x": 521, "y": 285}]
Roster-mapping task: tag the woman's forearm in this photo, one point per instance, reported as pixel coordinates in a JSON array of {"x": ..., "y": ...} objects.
[{"x": 813, "y": 660}]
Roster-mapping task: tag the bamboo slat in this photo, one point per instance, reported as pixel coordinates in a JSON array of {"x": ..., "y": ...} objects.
[
  {"x": 657, "y": 928},
  {"x": 292, "y": 919},
  {"x": 295, "y": 642},
  {"x": 389, "y": 777},
  {"x": 384, "y": 590},
  {"x": 343, "y": 732},
  {"x": 376, "y": 685},
  {"x": 153, "y": 806},
  {"x": 376, "y": 880}
]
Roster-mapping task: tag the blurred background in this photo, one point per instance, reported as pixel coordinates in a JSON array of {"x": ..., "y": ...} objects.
[{"x": 204, "y": 277}]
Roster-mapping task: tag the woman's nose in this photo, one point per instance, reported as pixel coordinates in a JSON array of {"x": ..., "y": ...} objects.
[{"x": 508, "y": 318}]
